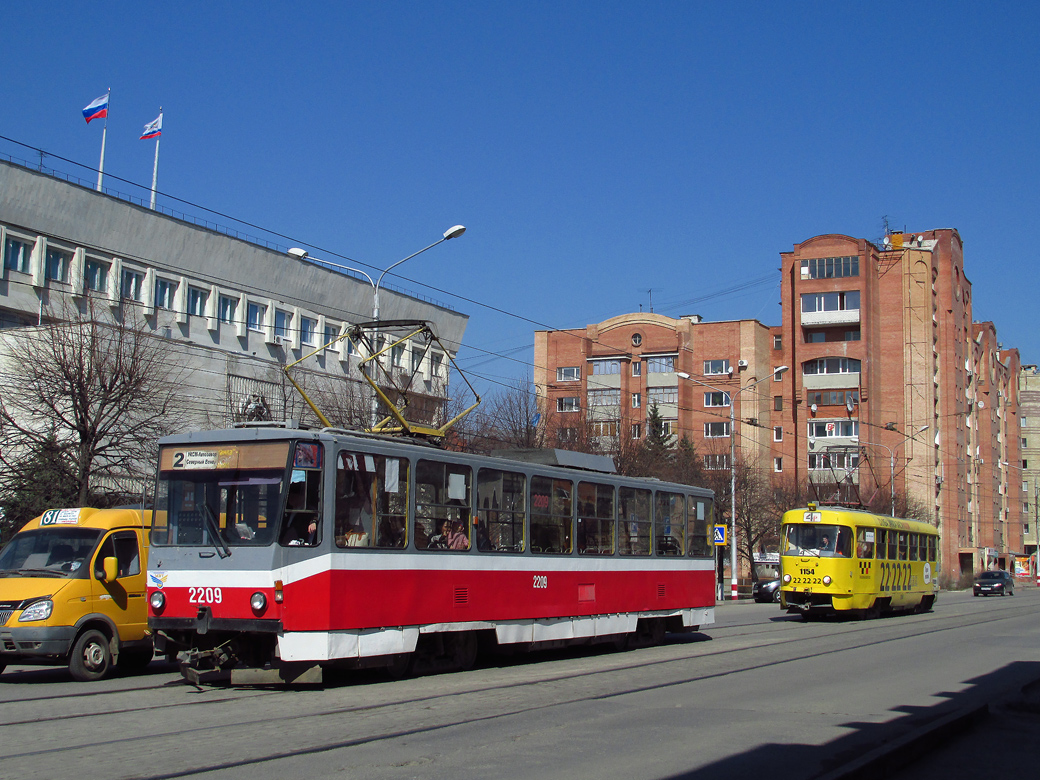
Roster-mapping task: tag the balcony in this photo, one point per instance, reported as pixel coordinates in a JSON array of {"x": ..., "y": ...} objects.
[{"x": 813, "y": 319}]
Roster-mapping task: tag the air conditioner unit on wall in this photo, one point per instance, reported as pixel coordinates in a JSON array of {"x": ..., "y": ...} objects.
[{"x": 741, "y": 364}]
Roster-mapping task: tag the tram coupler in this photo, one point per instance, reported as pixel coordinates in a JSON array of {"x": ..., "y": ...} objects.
[{"x": 205, "y": 666}]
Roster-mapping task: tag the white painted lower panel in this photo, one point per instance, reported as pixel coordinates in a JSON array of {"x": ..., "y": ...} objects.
[{"x": 333, "y": 645}]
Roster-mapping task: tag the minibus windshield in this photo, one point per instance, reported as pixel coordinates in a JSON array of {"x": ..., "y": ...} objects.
[
  {"x": 818, "y": 540},
  {"x": 49, "y": 552}
]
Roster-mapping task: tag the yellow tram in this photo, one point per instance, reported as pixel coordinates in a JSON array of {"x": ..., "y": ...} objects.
[{"x": 835, "y": 560}]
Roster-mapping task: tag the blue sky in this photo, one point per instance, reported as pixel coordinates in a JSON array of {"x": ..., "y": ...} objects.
[{"x": 595, "y": 150}]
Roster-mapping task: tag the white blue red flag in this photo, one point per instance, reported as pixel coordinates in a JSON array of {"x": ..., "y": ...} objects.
[
  {"x": 153, "y": 129},
  {"x": 97, "y": 110}
]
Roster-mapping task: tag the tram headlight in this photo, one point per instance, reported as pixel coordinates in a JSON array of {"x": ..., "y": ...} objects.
[
  {"x": 258, "y": 602},
  {"x": 158, "y": 601},
  {"x": 787, "y": 579},
  {"x": 827, "y": 580}
]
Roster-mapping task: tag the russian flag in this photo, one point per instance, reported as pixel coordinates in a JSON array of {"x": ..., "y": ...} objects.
[
  {"x": 153, "y": 129},
  {"x": 97, "y": 110}
]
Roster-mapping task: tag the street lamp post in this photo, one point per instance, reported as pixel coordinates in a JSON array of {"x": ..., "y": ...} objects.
[
  {"x": 733, "y": 465},
  {"x": 301, "y": 254},
  {"x": 892, "y": 463}
]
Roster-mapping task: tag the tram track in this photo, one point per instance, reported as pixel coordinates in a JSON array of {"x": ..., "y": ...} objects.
[{"x": 429, "y": 703}]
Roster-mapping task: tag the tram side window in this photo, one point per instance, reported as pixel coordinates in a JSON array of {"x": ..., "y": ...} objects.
[
  {"x": 893, "y": 549},
  {"x": 501, "y": 505},
  {"x": 371, "y": 500},
  {"x": 595, "y": 519},
  {"x": 634, "y": 527},
  {"x": 301, "y": 518},
  {"x": 864, "y": 542},
  {"x": 551, "y": 515},
  {"x": 913, "y": 547},
  {"x": 442, "y": 505},
  {"x": 931, "y": 548},
  {"x": 902, "y": 545},
  {"x": 698, "y": 524},
  {"x": 669, "y": 514}
]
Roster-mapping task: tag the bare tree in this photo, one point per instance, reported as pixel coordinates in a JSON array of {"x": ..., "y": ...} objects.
[{"x": 99, "y": 393}]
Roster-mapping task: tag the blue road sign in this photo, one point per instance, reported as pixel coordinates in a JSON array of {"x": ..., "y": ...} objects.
[{"x": 720, "y": 535}]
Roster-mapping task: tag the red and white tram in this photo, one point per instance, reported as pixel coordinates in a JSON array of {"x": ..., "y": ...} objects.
[{"x": 276, "y": 552}]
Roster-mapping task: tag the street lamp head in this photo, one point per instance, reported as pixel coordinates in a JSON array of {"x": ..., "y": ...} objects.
[
  {"x": 298, "y": 253},
  {"x": 682, "y": 375},
  {"x": 453, "y": 232},
  {"x": 780, "y": 370}
]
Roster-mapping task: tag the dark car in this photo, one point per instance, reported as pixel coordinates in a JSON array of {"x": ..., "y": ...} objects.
[
  {"x": 994, "y": 583},
  {"x": 766, "y": 590}
]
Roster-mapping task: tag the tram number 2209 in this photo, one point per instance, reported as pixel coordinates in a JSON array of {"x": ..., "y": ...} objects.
[
  {"x": 205, "y": 596},
  {"x": 541, "y": 581}
]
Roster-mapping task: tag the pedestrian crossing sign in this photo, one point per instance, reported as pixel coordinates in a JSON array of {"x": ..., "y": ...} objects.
[{"x": 720, "y": 535}]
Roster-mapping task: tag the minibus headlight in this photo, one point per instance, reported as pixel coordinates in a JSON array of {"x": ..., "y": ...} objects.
[
  {"x": 158, "y": 601},
  {"x": 787, "y": 579},
  {"x": 258, "y": 601},
  {"x": 827, "y": 580},
  {"x": 38, "y": 610}
]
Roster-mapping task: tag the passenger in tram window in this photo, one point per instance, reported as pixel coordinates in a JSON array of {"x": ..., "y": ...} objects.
[
  {"x": 353, "y": 507},
  {"x": 483, "y": 540},
  {"x": 391, "y": 532},
  {"x": 458, "y": 538},
  {"x": 439, "y": 541}
]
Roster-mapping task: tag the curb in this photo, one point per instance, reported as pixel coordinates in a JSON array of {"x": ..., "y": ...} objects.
[{"x": 896, "y": 754}]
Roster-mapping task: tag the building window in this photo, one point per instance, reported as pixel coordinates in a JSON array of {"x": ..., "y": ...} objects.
[
  {"x": 568, "y": 374},
  {"x": 852, "y": 335},
  {"x": 637, "y": 400},
  {"x": 637, "y": 431},
  {"x": 662, "y": 395},
  {"x": 1025, "y": 464},
  {"x": 57, "y": 265},
  {"x": 637, "y": 368},
  {"x": 605, "y": 429},
  {"x": 605, "y": 366},
  {"x": 397, "y": 356},
  {"x": 637, "y": 339},
  {"x": 778, "y": 464},
  {"x": 716, "y": 367},
  {"x": 716, "y": 399},
  {"x": 1023, "y": 421},
  {"x": 228, "y": 309},
  {"x": 830, "y": 301},
  {"x": 660, "y": 365},
  {"x": 832, "y": 397},
  {"x": 778, "y": 403},
  {"x": 667, "y": 427},
  {"x": 282, "y": 323},
  {"x": 164, "y": 294},
  {"x": 133, "y": 283},
  {"x": 566, "y": 434},
  {"x": 197, "y": 301},
  {"x": 778, "y": 433},
  {"x": 610, "y": 397},
  {"x": 1024, "y": 443},
  {"x": 830, "y": 267},
  {"x": 16, "y": 255},
  {"x": 95, "y": 275},
  {"x": 255, "y": 315},
  {"x": 716, "y": 430},
  {"x": 826, "y": 461},
  {"x": 831, "y": 366},
  {"x": 308, "y": 330},
  {"x": 815, "y": 337},
  {"x": 778, "y": 342},
  {"x": 567, "y": 404},
  {"x": 331, "y": 334},
  {"x": 716, "y": 462},
  {"x": 822, "y": 429}
]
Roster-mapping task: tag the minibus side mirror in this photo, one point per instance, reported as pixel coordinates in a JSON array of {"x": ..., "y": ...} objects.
[{"x": 110, "y": 571}]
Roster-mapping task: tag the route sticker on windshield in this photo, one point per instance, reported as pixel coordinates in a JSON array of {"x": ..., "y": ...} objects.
[{"x": 60, "y": 517}]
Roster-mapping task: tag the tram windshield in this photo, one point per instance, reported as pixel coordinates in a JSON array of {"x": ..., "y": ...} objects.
[
  {"x": 223, "y": 495},
  {"x": 818, "y": 540}
]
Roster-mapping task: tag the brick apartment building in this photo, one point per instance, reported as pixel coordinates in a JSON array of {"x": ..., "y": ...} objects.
[{"x": 893, "y": 389}]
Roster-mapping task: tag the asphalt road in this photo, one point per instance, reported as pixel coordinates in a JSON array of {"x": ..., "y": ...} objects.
[{"x": 758, "y": 694}]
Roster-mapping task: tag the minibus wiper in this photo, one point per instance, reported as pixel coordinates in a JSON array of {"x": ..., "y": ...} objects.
[{"x": 218, "y": 541}]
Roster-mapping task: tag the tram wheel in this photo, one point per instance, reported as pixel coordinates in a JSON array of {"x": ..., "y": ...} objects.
[
  {"x": 91, "y": 656},
  {"x": 465, "y": 650},
  {"x": 401, "y": 666}
]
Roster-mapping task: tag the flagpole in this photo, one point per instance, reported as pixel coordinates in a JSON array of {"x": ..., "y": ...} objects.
[
  {"x": 155, "y": 168},
  {"x": 104, "y": 132}
]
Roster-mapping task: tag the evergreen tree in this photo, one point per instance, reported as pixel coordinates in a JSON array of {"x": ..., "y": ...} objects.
[{"x": 46, "y": 479}]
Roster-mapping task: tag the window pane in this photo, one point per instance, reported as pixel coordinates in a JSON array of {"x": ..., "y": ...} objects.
[
  {"x": 500, "y": 511},
  {"x": 550, "y": 515},
  {"x": 595, "y": 519},
  {"x": 633, "y": 521},
  {"x": 669, "y": 520},
  {"x": 442, "y": 506}
]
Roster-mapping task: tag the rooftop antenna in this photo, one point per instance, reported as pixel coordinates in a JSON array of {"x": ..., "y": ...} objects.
[{"x": 650, "y": 292}]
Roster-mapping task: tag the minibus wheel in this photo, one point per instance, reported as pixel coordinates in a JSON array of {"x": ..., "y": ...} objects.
[{"x": 91, "y": 656}]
